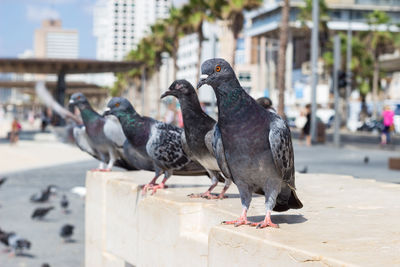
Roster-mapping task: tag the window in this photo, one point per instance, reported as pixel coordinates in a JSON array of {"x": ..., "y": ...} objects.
[{"x": 244, "y": 77}]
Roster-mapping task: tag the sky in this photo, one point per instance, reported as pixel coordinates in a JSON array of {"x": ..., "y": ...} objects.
[{"x": 19, "y": 19}]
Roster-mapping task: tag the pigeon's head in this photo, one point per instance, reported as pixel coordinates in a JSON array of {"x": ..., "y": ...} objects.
[
  {"x": 214, "y": 72},
  {"x": 179, "y": 89},
  {"x": 77, "y": 98},
  {"x": 118, "y": 105}
]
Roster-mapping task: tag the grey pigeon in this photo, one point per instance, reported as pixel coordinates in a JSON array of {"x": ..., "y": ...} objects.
[
  {"x": 66, "y": 231},
  {"x": 92, "y": 139},
  {"x": 2, "y": 180},
  {"x": 14, "y": 242},
  {"x": 197, "y": 124},
  {"x": 39, "y": 213},
  {"x": 44, "y": 195},
  {"x": 265, "y": 102},
  {"x": 257, "y": 144},
  {"x": 154, "y": 144},
  {"x": 64, "y": 203}
]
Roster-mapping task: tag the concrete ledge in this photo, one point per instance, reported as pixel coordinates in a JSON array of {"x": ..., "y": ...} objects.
[{"x": 344, "y": 222}]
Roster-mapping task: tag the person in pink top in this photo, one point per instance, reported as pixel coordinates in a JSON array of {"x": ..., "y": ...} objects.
[{"x": 388, "y": 118}]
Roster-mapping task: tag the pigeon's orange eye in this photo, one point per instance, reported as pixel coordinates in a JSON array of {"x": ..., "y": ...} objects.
[
  {"x": 218, "y": 68},
  {"x": 116, "y": 104}
]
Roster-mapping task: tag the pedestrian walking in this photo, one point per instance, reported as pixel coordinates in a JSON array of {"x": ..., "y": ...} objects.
[
  {"x": 15, "y": 129},
  {"x": 307, "y": 126},
  {"x": 388, "y": 125}
]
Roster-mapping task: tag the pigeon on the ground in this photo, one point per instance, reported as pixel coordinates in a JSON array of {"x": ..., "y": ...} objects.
[
  {"x": 45, "y": 265},
  {"x": 64, "y": 203},
  {"x": 39, "y": 213},
  {"x": 257, "y": 144},
  {"x": 154, "y": 144},
  {"x": 2, "y": 180},
  {"x": 44, "y": 195},
  {"x": 66, "y": 232},
  {"x": 304, "y": 170},
  {"x": 12, "y": 241},
  {"x": 92, "y": 139},
  {"x": 366, "y": 159},
  {"x": 198, "y": 125}
]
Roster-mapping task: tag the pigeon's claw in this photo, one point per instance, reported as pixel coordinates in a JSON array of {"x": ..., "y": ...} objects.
[
  {"x": 266, "y": 223},
  {"x": 156, "y": 187},
  {"x": 238, "y": 222},
  {"x": 147, "y": 187},
  {"x": 105, "y": 170}
]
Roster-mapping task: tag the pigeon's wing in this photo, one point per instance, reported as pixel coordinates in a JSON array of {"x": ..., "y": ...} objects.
[
  {"x": 214, "y": 144},
  {"x": 282, "y": 150},
  {"x": 83, "y": 142},
  {"x": 113, "y": 131},
  {"x": 165, "y": 146},
  {"x": 185, "y": 145}
]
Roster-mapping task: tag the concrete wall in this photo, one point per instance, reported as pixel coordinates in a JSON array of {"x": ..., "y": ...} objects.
[{"x": 344, "y": 222}]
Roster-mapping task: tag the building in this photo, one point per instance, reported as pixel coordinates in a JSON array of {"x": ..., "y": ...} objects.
[
  {"x": 120, "y": 24},
  {"x": 261, "y": 40},
  {"x": 52, "y": 41}
]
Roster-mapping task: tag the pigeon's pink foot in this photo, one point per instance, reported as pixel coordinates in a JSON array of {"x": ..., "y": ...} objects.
[
  {"x": 95, "y": 170},
  {"x": 104, "y": 170},
  {"x": 266, "y": 223},
  {"x": 147, "y": 187},
  {"x": 156, "y": 187},
  {"x": 238, "y": 222}
]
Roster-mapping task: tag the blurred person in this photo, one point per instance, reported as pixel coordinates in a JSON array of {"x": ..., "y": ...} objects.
[
  {"x": 388, "y": 125},
  {"x": 15, "y": 129},
  {"x": 307, "y": 126}
]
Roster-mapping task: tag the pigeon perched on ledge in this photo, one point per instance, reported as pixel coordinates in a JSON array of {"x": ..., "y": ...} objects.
[
  {"x": 91, "y": 137},
  {"x": 197, "y": 124},
  {"x": 257, "y": 144},
  {"x": 154, "y": 144}
]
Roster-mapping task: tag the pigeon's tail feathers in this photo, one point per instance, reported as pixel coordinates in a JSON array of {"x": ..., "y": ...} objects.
[
  {"x": 289, "y": 202},
  {"x": 23, "y": 243}
]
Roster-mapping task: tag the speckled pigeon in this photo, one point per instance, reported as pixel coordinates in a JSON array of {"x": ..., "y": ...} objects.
[
  {"x": 198, "y": 125},
  {"x": 92, "y": 139},
  {"x": 257, "y": 144},
  {"x": 153, "y": 142}
]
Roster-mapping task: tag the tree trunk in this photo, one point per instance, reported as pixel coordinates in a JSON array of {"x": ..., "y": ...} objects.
[
  {"x": 200, "y": 37},
  {"x": 235, "y": 40},
  {"x": 283, "y": 39},
  {"x": 175, "y": 56},
  {"x": 375, "y": 88}
]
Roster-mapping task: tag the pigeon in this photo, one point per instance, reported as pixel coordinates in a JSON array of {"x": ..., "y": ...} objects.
[
  {"x": 91, "y": 137},
  {"x": 45, "y": 265},
  {"x": 14, "y": 242},
  {"x": 64, "y": 203},
  {"x": 266, "y": 103},
  {"x": 304, "y": 170},
  {"x": 44, "y": 195},
  {"x": 366, "y": 159},
  {"x": 197, "y": 124},
  {"x": 154, "y": 144},
  {"x": 39, "y": 213},
  {"x": 257, "y": 145},
  {"x": 2, "y": 180},
  {"x": 66, "y": 232}
]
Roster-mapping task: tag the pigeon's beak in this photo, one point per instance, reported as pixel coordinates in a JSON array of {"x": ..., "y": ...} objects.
[
  {"x": 107, "y": 111},
  {"x": 202, "y": 80},
  {"x": 167, "y": 93}
]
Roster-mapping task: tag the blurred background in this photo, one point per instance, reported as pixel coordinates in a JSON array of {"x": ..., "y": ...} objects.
[{"x": 330, "y": 67}]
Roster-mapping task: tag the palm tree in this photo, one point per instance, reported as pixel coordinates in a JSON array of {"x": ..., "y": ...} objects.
[
  {"x": 232, "y": 10},
  {"x": 305, "y": 16},
  {"x": 379, "y": 43},
  {"x": 195, "y": 13},
  {"x": 282, "y": 56}
]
